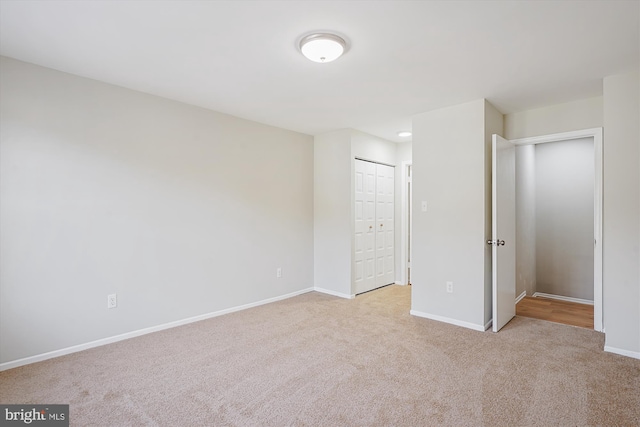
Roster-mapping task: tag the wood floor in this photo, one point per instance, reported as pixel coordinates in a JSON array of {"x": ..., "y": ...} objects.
[{"x": 569, "y": 313}]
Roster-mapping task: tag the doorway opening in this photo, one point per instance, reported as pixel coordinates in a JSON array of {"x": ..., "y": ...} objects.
[
  {"x": 559, "y": 228},
  {"x": 406, "y": 223}
]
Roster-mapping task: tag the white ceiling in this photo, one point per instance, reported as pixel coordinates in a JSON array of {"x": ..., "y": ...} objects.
[{"x": 405, "y": 57}]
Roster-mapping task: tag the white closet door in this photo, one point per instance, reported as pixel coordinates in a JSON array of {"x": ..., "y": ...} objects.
[
  {"x": 374, "y": 261},
  {"x": 384, "y": 224},
  {"x": 389, "y": 221},
  {"x": 364, "y": 242}
]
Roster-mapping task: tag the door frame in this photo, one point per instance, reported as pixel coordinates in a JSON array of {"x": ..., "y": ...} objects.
[
  {"x": 404, "y": 225},
  {"x": 596, "y": 134}
]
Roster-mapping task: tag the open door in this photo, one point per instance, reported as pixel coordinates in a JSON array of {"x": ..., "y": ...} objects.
[{"x": 503, "y": 182}]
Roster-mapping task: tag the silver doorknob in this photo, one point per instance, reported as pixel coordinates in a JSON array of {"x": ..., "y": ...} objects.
[
  {"x": 500, "y": 242},
  {"x": 496, "y": 242}
]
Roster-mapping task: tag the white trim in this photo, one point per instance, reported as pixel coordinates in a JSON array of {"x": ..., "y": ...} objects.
[
  {"x": 598, "y": 314},
  {"x": 562, "y": 298},
  {"x": 456, "y": 322},
  {"x": 555, "y": 137},
  {"x": 522, "y": 295},
  {"x": 403, "y": 222},
  {"x": 488, "y": 325},
  {"x": 633, "y": 354},
  {"x": 596, "y": 134},
  {"x": 109, "y": 340},
  {"x": 334, "y": 293},
  {"x": 397, "y": 282}
]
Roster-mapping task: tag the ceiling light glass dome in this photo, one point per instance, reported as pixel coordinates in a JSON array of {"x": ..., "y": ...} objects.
[{"x": 322, "y": 47}]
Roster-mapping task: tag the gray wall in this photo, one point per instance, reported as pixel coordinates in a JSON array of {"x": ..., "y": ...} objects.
[
  {"x": 449, "y": 173},
  {"x": 332, "y": 212},
  {"x": 180, "y": 210},
  {"x": 621, "y": 270},
  {"x": 576, "y": 115},
  {"x": 564, "y": 218}
]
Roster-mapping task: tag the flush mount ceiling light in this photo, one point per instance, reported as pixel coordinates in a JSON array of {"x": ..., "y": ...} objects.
[
  {"x": 404, "y": 133},
  {"x": 322, "y": 47}
]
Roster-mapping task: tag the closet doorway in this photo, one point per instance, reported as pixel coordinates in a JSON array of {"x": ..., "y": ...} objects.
[
  {"x": 374, "y": 216},
  {"x": 406, "y": 223},
  {"x": 558, "y": 211}
]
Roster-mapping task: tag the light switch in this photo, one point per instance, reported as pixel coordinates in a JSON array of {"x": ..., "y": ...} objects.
[{"x": 424, "y": 206}]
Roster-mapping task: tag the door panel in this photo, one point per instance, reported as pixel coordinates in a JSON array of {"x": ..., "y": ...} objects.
[
  {"x": 359, "y": 273},
  {"x": 369, "y": 271},
  {"x": 503, "y": 237},
  {"x": 359, "y": 210}
]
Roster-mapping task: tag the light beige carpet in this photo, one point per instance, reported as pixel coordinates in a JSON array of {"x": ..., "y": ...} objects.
[{"x": 318, "y": 360}]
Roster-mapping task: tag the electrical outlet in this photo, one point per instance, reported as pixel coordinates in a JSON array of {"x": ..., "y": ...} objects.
[
  {"x": 450, "y": 287},
  {"x": 112, "y": 301},
  {"x": 278, "y": 272}
]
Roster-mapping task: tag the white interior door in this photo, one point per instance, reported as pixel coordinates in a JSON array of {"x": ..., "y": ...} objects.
[
  {"x": 365, "y": 230},
  {"x": 503, "y": 180},
  {"x": 374, "y": 240}
]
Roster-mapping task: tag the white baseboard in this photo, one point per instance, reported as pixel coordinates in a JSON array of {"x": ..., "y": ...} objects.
[
  {"x": 622, "y": 352},
  {"x": 522, "y": 295},
  {"x": 562, "y": 298},
  {"x": 628, "y": 353},
  {"x": 488, "y": 325},
  {"x": 104, "y": 341},
  {"x": 334, "y": 293},
  {"x": 456, "y": 322}
]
